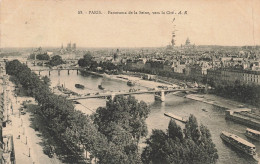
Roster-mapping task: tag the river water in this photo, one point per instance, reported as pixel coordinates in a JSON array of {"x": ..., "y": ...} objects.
[{"x": 214, "y": 118}]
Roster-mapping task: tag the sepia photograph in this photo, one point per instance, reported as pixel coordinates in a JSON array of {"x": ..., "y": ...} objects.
[{"x": 129, "y": 82}]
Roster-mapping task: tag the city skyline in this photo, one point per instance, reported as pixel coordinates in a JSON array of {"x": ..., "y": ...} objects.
[{"x": 51, "y": 23}]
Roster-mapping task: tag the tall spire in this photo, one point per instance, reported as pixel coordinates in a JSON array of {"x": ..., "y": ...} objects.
[
  {"x": 173, "y": 36},
  {"x": 173, "y": 41}
]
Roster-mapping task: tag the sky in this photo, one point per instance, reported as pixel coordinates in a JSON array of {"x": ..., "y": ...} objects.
[{"x": 45, "y": 23}]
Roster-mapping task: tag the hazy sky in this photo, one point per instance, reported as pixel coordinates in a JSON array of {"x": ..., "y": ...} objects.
[{"x": 27, "y": 23}]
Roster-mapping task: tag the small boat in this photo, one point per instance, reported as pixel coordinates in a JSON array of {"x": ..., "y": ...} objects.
[
  {"x": 240, "y": 144},
  {"x": 253, "y": 134},
  {"x": 76, "y": 102},
  {"x": 79, "y": 86},
  {"x": 100, "y": 87},
  {"x": 130, "y": 83},
  {"x": 178, "y": 118}
]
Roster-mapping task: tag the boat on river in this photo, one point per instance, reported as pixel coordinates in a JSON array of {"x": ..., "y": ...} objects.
[
  {"x": 101, "y": 87},
  {"x": 79, "y": 86},
  {"x": 130, "y": 83},
  {"x": 253, "y": 134},
  {"x": 240, "y": 144},
  {"x": 178, "y": 118}
]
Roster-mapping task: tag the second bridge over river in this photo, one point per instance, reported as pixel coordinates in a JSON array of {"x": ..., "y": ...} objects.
[{"x": 159, "y": 94}]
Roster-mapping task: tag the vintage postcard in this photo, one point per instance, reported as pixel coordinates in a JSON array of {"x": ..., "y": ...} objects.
[{"x": 129, "y": 82}]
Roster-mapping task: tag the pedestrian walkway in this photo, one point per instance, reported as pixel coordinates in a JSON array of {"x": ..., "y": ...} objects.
[
  {"x": 21, "y": 150},
  {"x": 26, "y": 140}
]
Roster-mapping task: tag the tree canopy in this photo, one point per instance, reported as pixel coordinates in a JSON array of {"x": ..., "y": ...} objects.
[
  {"x": 43, "y": 56},
  {"x": 122, "y": 121},
  {"x": 72, "y": 127},
  {"x": 191, "y": 145},
  {"x": 56, "y": 60},
  {"x": 87, "y": 61}
]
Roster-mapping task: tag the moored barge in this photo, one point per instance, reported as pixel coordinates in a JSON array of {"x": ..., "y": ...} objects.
[
  {"x": 175, "y": 117},
  {"x": 79, "y": 86},
  {"x": 240, "y": 144},
  {"x": 130, "y": 83},
  {"x": 253, "y": 134}
]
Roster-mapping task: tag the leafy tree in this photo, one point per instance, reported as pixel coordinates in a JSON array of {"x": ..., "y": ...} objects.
[
  {"x": 86, "y": 61},
  {"x": 167, "y": 148},
  {"x": 43, "y": 56},
  {"x": 122, "y": 121},
  {"x": 56, "y": 60},
  {"x": 125, "y": 111},
  {"x": 73, "y": 128},
  {"x": 174, "y": 131},
  {"x": 46, "y": 80},
  {"x": 192, "y": 129}
]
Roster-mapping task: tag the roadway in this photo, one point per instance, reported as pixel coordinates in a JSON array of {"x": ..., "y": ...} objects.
[{"x": 129, "y": 93}]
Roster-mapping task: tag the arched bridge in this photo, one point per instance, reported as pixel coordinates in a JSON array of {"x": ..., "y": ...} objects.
[
  {"x": 159, "y": 94},
  {"x": 57, "y": 69}
]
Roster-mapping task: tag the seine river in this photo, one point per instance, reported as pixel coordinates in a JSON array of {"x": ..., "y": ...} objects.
[{"x": 214, "y": 117}]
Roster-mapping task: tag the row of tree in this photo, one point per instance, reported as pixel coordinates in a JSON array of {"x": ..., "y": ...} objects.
[
  {"x": 112, "y": 133},
  {"x": 241, "y": 92},
  {"x": 247, "y": 93},
  {"x": 76, "y": 129},
  {"x": 88, "y": 62},
  {"x": 53, "y": 61},
  {"x": 41, "y": 56}
]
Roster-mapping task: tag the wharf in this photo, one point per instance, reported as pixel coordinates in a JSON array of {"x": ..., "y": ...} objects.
[
  {"x": 244, "y": 117},
  {"x": 216, "y": 101}
]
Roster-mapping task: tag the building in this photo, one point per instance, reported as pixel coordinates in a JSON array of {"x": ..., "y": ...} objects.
[
  {"x": 74, "y": 47},
  {"x": 68, "y": 47},
  {"x": 231, "y": 75}
]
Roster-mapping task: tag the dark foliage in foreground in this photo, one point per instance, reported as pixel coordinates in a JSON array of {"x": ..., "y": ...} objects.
[
  {"x": 191, "y": 145},
  {"x": 72, "y": 127}
]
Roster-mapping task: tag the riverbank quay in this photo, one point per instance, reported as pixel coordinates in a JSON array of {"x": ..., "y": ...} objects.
[
  {"x": 211, "y": 99},
  {"x": 227, "y": 104},
  {"x": 26, "y": 141},
  {"x": 84, "y": 72},
  {"x": 138, "y": 80},
  {"x": 143, "y": 83},
  {"x": 218, "y": 101}
]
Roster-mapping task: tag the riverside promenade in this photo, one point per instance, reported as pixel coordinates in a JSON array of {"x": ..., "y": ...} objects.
[
  {"x": 221, "y": 102},
  {"x": 26, "y": 140}
]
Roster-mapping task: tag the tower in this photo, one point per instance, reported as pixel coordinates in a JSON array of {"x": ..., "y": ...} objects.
[
  {"x": 69, "y": 46},
  {"x": 173, "y": 36},
  {"x": 173, "y": 41},
  {"x": 74, "y": 47},
  {"x": 187, "y": 42}
]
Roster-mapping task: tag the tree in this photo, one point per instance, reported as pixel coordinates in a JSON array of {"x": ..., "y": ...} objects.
[
  {"x": 174, "y": 131},
  {"x": 86, "y": 61},
  {"x": 172, "y": 147},
  {"x": 192, "y": 129},
  {"x": 43, "y": 56},
  {"x": 125, "y": 111},
  {"x": 154, "y": 153},
  {"x": 46, "y": 80},
  {"x": 122, "y": 121},
  {"x": 56, "y": 60},
  {"x": 73, "y": 128}
]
